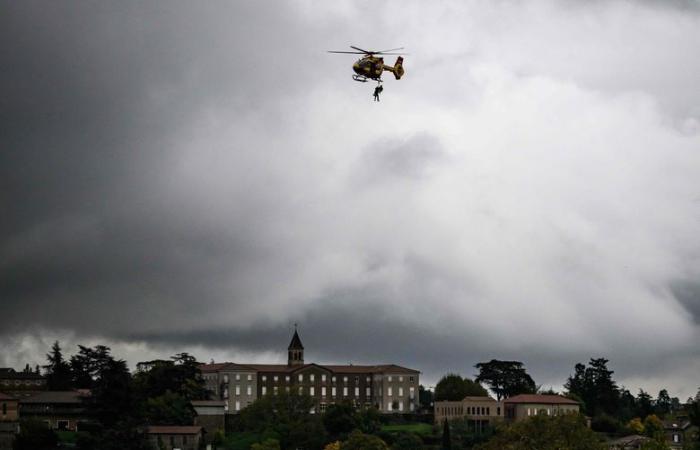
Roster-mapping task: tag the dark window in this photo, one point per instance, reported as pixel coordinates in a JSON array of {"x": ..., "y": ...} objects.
[{"x": 4, "y": 409}]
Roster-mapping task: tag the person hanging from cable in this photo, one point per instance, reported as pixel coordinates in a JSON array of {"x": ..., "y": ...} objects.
[{"x": 378, "y": 90}]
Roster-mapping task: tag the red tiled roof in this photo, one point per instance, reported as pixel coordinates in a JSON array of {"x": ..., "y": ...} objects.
[
  {"x": 541, "y": 399},
  {"x": 172, "y": 429},
  {"x": 222, "y": 366},
  {"x": 58, "y": 397},
  {"x": 284, "y": 368},
  {"x": 473, "y": 398}
]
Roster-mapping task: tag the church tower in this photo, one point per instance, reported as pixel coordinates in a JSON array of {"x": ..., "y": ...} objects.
[{"x": 295, "y": 351}]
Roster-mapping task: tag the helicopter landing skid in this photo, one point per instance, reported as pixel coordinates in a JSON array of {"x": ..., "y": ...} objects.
[{"x": 360, "y": 78}]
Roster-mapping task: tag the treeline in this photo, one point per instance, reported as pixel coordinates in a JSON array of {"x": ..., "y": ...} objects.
[{"x": 122, "y": 403}]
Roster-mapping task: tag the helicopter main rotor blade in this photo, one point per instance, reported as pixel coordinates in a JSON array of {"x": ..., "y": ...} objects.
[
  {"x": 389, "y": 50},
  {"x": 351, "y": 53},
  {"x": 363, "y": 51}
]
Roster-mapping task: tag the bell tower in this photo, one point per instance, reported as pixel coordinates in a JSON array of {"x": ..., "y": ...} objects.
[{"x": 295, "y": 351}]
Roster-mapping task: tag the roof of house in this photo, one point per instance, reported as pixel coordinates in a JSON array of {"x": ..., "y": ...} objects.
[
  {"x": 208, "y": 403},
  {"x": 57, "y": 397},
  {"x": 629, "y": 441},
  {"x": 483, "y": 398},
  {"x": 217, "y": 367},
  {"x": 6, "y": 397},
  {"x": 8, "y": 373},
  {"x": 173, "y": 429},
  {"x": 285, "y": 368},
  {"x": 541, "y": 399}
]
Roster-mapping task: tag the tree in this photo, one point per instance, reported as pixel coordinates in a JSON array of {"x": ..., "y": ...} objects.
[
  {"x": 360, "y": 441},
  {"x": 267, "y": 444},
  {"x": 662, "y": 406},
  {"x": 653, "y": 426},
  {"x": 453, "y": 387},
  {"x": 595, "y": 386},
  {"x": 340, "y": 419},
  {"x": 446, "y": 439},
  {"x": 425, "y": 397},
  {"x": 369, "y": 420},
  {"x": 287, "y": 417},
  {"x": 542, "y": 432},
  {"x": 58, "y": 374},
  {"x": 407, "y": 441},
  {"x": 34, "y": 435},
  {"x": 644, "y": 406},
  {"x": 169, "y": 409},
  {"x": 505, "y": 378},
  {"x": 112, "y": 397},
  {"x": 87, "y": 364}
]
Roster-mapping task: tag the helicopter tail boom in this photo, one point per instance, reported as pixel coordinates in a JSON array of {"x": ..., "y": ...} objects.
[{"x": 397, "y": 69}]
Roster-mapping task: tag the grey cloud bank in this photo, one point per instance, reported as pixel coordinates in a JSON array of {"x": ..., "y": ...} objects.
[{"x": 173, "y": 176}]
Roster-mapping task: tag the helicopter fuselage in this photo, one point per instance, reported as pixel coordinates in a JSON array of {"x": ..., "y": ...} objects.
[{"x": 370, "y": 67}]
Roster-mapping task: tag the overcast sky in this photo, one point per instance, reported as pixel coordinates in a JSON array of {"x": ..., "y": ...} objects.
[{"x": 199, "y": 177}]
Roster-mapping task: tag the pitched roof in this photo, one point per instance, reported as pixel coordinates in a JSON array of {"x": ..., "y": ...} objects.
[
  {"x": 295, "y": 344},
  {"x": 173, "y": 429},
  {"x": 540, "y": 399},
  {"x": 473, "y": 398},
  {"x": 208, "y": 403},
  {"x": 217, "y": 367},
  {"x": 6, "y": 397},
  {"x": 56, "y": 397}
]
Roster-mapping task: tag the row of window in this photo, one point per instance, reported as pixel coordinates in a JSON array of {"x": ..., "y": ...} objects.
[
  {"x": 471, "y": 410},
  {"x": 548, "y": 411},
  {"x": 25, "y": 382},
  {"x": 237, "y": 391}
]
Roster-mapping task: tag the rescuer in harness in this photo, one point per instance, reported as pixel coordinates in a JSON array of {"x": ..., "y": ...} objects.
[{"x": 378, "y": 90}]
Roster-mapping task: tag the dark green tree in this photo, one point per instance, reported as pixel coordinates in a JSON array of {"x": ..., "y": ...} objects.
[
  {"x": 286, "y": 417},
  {"x": 425, "y": 397},
  {"x": 542, "y": 432},
  {"x": 453, "y": 387},
  {"x": 595, "y": 386},
  {"x": 87, "y": 364},
  {"x": 369, "y": 420},
  {"x": 505, "y": 378},
  {"x": 169, "y": 409},
  {"x": 34, "y": 435},
  {"x": 112, "y": 397},
  {"x": 58, "y": 373},
  {"x": 662, "y": 406},
  {"x": 407, "y": 441},
  {"x": 446, "y": 438},
  {"x": 360, "y": 441},
  {"x": 644, "y": 404},
  {"x": 340, "y": 419}
]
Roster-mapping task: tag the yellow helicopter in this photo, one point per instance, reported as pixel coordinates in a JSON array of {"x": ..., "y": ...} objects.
[{"x": 370, "y": 67}]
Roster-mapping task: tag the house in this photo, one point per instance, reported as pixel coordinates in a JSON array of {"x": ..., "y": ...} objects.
[
  {"x": 388, "y": 387},
  {"x": 633, "y": 442},
  {"x": 480, "y": 412},
  {"x": 211, "y": 416},
  {"x": 9, "y": 425},
  {"x": 20, "y": 384},
  {"x": 8, "y": 408},
  {"x": 61, "y": 410},
  {"x": 522, "y": 406},
  {"x": 675, "y": 431},
  {"x": 175, "y": 437}
]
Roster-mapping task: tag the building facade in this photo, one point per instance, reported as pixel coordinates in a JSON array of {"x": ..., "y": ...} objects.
[
  {"x": 175, "y": 437},
  {"x": 20, "y": 384},
  {"x": 61, "y": 410},
  {"x": 389, "y": 388},
  {"x": 523, "y": 406},
  {"x": 480, "y": 412}
]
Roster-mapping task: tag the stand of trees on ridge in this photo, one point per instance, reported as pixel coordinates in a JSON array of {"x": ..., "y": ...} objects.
[{"x": 160, "y": 393}]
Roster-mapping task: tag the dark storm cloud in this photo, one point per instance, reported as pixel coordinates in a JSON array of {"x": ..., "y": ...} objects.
[
  {"x": 688, "y": 293},
  {"x": 175, "y": 175}
]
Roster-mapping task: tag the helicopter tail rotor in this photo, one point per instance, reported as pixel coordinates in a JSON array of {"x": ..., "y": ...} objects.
[{"x": 398, "y": 68}]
